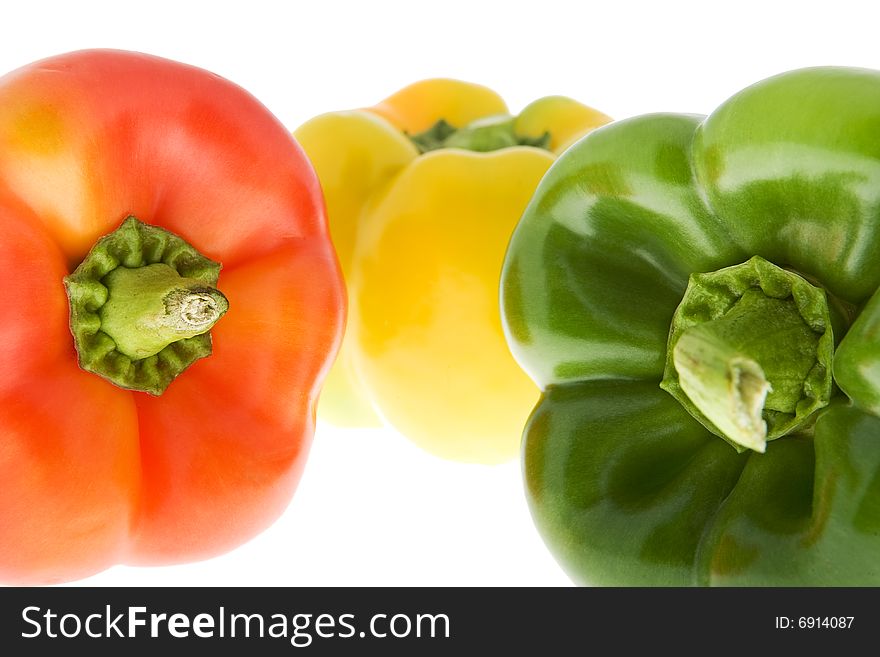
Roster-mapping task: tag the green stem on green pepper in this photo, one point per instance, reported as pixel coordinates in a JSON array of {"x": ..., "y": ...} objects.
[{"x": 750, "y": 352}]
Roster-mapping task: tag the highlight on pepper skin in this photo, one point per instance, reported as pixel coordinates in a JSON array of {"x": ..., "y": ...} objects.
[
  {"x": 161, "y": 354},
  {"x": 697, "y": 299},
  {"x": 423, "y": 191}
]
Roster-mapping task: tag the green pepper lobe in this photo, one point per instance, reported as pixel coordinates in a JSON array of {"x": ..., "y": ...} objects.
[
  {"x": 723, "y": 259},
  {"x": 141, "y": 305}
]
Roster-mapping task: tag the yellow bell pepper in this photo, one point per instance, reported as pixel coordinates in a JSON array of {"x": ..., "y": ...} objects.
[{"x": 423, "y": 192}]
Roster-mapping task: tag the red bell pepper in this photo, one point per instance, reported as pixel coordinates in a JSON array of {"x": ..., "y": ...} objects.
[{"x": 124, "y": 462}]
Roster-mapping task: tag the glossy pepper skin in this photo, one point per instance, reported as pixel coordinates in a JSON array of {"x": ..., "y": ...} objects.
[
  {"x": 94, "y": 474},
  {"x": 625, "y": 484},
  {"x": 421, "y": 239}
]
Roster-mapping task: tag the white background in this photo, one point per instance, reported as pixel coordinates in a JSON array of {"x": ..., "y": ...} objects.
[{"x": 372, "y": 509}]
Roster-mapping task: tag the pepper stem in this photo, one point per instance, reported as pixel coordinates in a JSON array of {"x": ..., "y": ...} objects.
[
  {"x": 726, "y": 385},
  {"x": 142, "y": 303},
  {"x": 757, "y": 354},
  {"x": 150, "y": 307},
  {"x": 749, "y": 353},
  {"x": 491, "y": 133}
]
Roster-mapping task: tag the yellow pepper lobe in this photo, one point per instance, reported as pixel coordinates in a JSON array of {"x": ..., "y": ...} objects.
[
  {"x": 354, "y": 154},
  {"x": 429, "y": 342},
  {"x": 564, "y": 119},
  {"x": 417, "y": 107}
]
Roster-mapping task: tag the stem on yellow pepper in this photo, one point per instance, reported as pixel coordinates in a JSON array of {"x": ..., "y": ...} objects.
[{"x": 483, "y": 135}]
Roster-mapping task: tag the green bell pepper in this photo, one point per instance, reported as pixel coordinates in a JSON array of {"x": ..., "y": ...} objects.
[{"x": 697, "y": 299}]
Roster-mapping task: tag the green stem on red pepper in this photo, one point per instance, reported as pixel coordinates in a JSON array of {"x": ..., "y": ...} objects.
[{"x": 141, "y": 305}]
